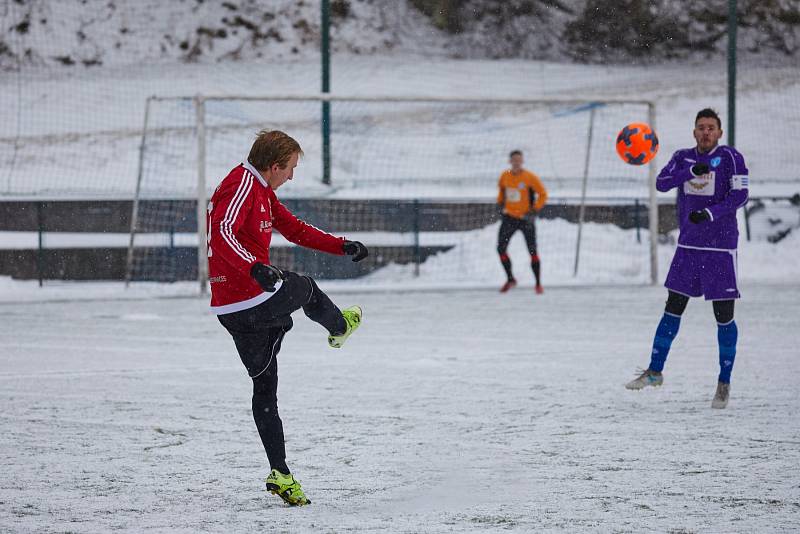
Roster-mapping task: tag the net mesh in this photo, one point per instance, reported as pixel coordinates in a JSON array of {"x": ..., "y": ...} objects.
[
  {"x": 76, "y": 76},
  {"x": 416, "y": 180}
]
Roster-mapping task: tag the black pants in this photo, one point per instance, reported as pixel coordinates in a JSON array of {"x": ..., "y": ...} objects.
[
  {"x": 508, "y": 227},
  {"x": 258, "y": 333}
]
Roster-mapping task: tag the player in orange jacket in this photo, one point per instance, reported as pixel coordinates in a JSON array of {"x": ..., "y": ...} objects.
[{"x": 520, "y": 197}]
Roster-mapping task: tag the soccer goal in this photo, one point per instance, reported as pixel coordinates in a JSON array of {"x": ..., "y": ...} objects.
[{"x": 415, "y": 178}]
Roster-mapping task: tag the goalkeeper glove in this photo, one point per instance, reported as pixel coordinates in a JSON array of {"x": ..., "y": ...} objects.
[
  {"x": 699, "y": 216},
  {"x": 355, "y": 249},
  {"x": 266, "y": 276},
  {"x": 699, "y": 169}
]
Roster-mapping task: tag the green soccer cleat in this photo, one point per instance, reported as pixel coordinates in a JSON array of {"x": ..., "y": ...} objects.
[
  {"x": 352, "y": 316},
  {"x": 287, "y": 488}
]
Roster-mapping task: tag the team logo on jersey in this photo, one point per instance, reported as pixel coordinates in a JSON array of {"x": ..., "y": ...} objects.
[
  {"x": 715, "y": 161},
  {"x": 262, "y": 209}
]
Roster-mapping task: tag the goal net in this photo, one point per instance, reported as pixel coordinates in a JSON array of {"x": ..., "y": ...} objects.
[{"x": 413, "y": 178}]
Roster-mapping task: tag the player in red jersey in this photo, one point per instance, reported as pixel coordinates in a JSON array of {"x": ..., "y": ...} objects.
[{"x": 253, "y": 299}]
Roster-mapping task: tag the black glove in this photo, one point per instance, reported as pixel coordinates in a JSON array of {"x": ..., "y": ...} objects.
[
  {"x": 266, "y": 276},
  {"x": 699, "y": 216},
  {"x": 699, "y": 169},
  {"x": 355, "y": 249}
]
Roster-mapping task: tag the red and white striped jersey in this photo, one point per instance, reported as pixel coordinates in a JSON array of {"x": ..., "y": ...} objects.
[{"x": 240, "y": 217}]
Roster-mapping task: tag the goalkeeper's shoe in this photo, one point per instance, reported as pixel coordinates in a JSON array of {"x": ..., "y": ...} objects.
[
  {"x": 287, "y": 488},
  {"x": 721, "y": 396},
  {"x": 352, "y": 317},
  {"x": 508, "y": 285},
  {"x": 647, "y": 378}
]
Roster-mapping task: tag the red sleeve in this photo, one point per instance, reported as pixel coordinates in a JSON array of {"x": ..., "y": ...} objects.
[
  {"x": 302, "y": 233},
  {"x": 230, "y": 207}
]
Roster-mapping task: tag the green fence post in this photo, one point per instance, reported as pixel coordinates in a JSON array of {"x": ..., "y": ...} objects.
[
  {"x": 732, "y": 24},
  {"x": 326, "y": 87},
  {"x": 417, "y": 252},
  {"x": 40, "y": 251}
]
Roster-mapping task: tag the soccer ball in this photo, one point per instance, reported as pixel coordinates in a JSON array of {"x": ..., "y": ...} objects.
[{"x": 637, "y": 143}]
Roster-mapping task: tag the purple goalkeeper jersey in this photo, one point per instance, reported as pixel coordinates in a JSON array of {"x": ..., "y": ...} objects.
[{"x": 720, "y": 192}]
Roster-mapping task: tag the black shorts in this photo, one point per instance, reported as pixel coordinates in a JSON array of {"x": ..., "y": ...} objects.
[{"x": 257, "y": 335}]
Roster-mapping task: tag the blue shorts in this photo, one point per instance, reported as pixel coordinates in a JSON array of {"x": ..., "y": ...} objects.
[{"x": 710, "y": 273}]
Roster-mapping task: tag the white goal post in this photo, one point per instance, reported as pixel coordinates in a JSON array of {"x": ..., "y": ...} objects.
[{"x": 405, "y": 109}]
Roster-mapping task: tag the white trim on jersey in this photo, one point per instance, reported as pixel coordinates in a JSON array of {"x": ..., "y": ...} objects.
[
  {"x": 733, "y": 160},
  {"x": 231, "y": 214},
  {"x": 707, "y": 248},
  {"x": 246, "y": 164},
  {"x": 245, "y": 304}
]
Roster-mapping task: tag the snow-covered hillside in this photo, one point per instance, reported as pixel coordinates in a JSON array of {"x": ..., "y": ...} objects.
[{"x": 125, "y": 32}]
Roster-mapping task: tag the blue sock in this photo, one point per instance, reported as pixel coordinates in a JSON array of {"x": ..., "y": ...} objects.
[
  {"x": 726, "y": 336},
  {"x": 665, "y": 333}
]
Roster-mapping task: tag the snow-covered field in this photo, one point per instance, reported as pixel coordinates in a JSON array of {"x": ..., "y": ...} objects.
[{"x": 448, "y": 411}]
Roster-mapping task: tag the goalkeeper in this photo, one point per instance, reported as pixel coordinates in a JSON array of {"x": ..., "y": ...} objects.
[
  {"x": 520, "y": 197},
  {"x": 712, "y": 182},
  {"x": 253, "y": 299}
]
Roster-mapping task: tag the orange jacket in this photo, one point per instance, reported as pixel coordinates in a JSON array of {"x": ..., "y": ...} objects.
[{"x": 516, "y": 193}]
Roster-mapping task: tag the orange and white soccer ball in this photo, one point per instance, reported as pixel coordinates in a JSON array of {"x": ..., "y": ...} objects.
[{"x": 637, "y": 143}]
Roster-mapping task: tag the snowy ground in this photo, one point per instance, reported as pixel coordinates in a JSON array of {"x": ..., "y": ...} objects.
[{"x": 447, "y": 412}]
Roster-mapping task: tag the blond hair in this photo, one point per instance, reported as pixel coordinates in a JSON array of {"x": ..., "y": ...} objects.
[{"x": 271, "y": 147}]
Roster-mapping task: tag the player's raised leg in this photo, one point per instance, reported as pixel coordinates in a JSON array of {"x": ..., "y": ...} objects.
[
  {"x": 352, "y": 318},
  {"x": 300, "y": 291}
]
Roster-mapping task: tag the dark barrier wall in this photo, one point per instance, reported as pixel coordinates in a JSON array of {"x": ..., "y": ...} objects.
[{"x": 336, "y": 216}]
